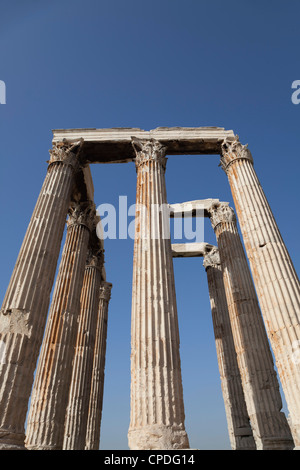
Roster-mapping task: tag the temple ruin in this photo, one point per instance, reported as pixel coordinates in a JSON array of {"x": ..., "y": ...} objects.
[{"x": 53, "y": 354}]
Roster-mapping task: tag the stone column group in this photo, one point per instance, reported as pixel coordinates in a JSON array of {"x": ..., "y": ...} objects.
[
  {"x": 61, "y": 398},
  {"x": 258, "y": 377},
  {"x": 76, "y": 416},
  {"x": 255, "y": 387},
  {"x": 238, "y": 422},
  {"x": 274, "y": 275},
  {"x": 69, "y": 348}
]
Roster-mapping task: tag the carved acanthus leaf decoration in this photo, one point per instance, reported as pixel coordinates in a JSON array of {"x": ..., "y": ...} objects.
[
  {"x": 67, "y": 153},
  {"x": 221, "y": 213},
  {"x": 82, "y": 213},
  {"x": 146, "y": 150},
  {"x": 233, "y": 150},
  {"x": 95, "y": 258},
  {"x": 105, "y": 290},
  {"x": 212, "y": 258}
]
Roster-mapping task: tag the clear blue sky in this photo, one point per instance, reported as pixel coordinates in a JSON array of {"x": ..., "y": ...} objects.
[{"x": 116, "y": 63}]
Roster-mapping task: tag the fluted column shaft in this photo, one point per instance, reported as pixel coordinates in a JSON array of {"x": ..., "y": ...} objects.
[
  {"x": 274, "y": 275},
  {"x": 240, "y": 433},
  {"x": 260, "y": 385},
  {"x": 157, "y": 410},
  {"x": 24, "y": 310},
  {"x": 97, "y": 383},
  {"x": 79, "y": 394},
  {"x": 49, "y": 397}
]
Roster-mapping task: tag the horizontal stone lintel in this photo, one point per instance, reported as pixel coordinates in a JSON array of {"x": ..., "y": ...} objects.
[
  {"x": 190, "y": 250},
  {"x": 192, "y": 208},
  {"x": 114, "y": 145}
]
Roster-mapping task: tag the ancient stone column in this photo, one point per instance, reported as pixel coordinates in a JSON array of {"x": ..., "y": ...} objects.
[
  {"x": 79, "y": 394},
  {"x": 24, "y": 309},
  {"x": 97, "y": 385},
  {"x": 240, "y": 433},
  {"x": 49, "y": 399},
  {"x": 157, "y": 409},
  {"x": 273, "y": 272},
  {"x": 260, "y": 385}
]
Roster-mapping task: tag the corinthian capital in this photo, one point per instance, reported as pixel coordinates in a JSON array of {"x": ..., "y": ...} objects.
[
  {"x": 82, "y": 213},
  {"x": 105, "y": 290},
  {"x": 95, "y": 257},
  {"x": 233, "y": 150},
  {"x": 146, "y": 150},
  {"x": 212, "y": 258},
  {"x": 67, "y": 153},
  {"x": 221, "y": 212}
]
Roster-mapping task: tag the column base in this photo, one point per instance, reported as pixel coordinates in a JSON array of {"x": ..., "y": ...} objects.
[
  {"x": 295, "y": 430},
  {"x": 276, "y": 444},
  {"x": 158, "y": 437},
  {"x": 11, "y": 441}
]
